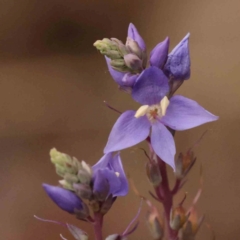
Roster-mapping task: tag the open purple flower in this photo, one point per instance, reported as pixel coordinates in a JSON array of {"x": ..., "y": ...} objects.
[
  {"x": 157, "y": 113},
  {"x": 109, "y": 176},
  {"x": 65, "y": 199}
]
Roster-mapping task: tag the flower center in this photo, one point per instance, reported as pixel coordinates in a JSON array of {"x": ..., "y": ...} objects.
[{"x": 155, "y": 111}]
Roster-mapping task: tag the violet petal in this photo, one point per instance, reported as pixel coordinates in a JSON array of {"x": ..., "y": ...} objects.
[
  {"x": 65, "y": 199},
  {"x": 158, "y": 55},
  {"x": 151, "y": 86},
  {"x": 163, "y": 143},
  {"x": 116, "y": 75},
  {"x": 184, "y": 113},
  {"x": 178, "y": 62},
  {"x": 129, "y": 79},
  {"x": 127, "y": 132},
  {"x": 133, "y": 34}
]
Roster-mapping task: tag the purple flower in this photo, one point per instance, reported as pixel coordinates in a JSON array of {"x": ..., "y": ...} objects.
[
  {"x": 178, "y": 63},
  {"x": 157, "y": 113},
  {"x": 109, "y": 168},
  {"x": 65, "y": 199}
]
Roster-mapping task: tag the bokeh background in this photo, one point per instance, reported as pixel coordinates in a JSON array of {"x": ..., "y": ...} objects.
[{"x": 52, "y": 86}]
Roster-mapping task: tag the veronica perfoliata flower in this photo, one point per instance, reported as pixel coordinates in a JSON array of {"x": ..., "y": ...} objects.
[
  {"x": 156, "y": 114},
  {"x": 109, "y": 171}
]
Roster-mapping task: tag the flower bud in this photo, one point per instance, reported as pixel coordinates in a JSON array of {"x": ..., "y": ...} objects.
[
  {"x": 119, "y": 65},
  {"x": 84, "y": 176},
  {"x": 83, "y": 213},
  {"x": 77, "y": 232},
  {"x": 107, "y": 204},
  {"x": 115, "y": 237},
  {"x": 133, "y": 62},
  {"x": 83, "y": 190},
  {"x": 183, "y": 163},
  {"x": 95, "y": 205},
  {"x": 177, "y": 218},
  {"x": 154, "y": 226},
  {"x": 65, "y": 199},
  {"x": 153, "y": 173},
  {"x": 134, "y": 47}
]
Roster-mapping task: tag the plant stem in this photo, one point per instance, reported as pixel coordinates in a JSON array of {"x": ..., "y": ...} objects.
[
  {"x": 98, "y": 222},
  {"x": 164, "y": 193}
]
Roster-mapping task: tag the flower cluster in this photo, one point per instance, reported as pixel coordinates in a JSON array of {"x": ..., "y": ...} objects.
[{"x": 89, "y": 192}]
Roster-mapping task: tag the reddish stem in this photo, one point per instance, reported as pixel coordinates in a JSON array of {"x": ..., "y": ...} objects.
[
  {"x": 165, "y": 194},
  {"x": 98, "y": 222}
]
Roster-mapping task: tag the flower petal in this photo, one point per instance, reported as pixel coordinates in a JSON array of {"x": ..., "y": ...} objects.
[
  {"x": 184, "y": 113},
  {"x": 127, "y": 132},
  {"x": 65, "y": 199},
  {"x": 178, "y": 63},
  {"x": 158, "y": 55},
  {"x": 116, "y": 75},
  {"x": 101, "y": 186},
  {"x": 163, "y": 143},
  {"x": 129, "y": 79},
  {"x": 117, "y": 166},
  {"x": 102, "y": 163},
  {"x": 151, "y": 86},
  {"x": 133, "y": 34}
]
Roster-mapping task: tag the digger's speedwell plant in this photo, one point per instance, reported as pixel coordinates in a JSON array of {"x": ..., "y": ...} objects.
[{"x": 89, "y": 192}]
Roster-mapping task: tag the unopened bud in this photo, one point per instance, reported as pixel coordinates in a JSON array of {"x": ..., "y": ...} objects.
[
  {"x": 107, "y": 204},
  {"x": 178, "y": 218},
  {"x": 84, "y": 213},
  {"x": 84, "y": 176},
  {"x": 115, "y": 237},
  {"x": 66, "y": 184},
  {"x": 133, "y": 62},
  {"x": 95, "y": 206},
  {"x": 134, "y": 47},
  {"x": 83, "y": 190},
  {"x": 71, "y": 178},
  {"x": 119, "y": 65},
  {"x": 154, "y": 226},
  {"x": 183, "y": 163},
  {"x": 153, "y": 173}
]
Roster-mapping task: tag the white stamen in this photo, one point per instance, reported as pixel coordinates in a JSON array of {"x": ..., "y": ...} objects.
[
  {"x": 164, "y": 104},
  {"x": 117, "y": 174},
  {"x": 141, "y": 111}
]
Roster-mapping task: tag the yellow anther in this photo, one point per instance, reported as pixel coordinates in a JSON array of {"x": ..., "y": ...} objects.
[{"x": 141, "y": 111}]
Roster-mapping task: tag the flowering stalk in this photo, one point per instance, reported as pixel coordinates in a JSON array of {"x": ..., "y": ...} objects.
[{"x": 98, "y": 222}]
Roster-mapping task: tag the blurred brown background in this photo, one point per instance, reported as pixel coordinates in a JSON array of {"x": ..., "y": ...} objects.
[{"x": 53, "y": 82}]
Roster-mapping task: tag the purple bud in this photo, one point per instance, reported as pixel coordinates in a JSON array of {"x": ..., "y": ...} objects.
[
  {"x": 100, "y": 185},
  {"x": 65, "y": 199},
  {"x": 178, "y": 62},
  {"x": 129, "y": 79},
  {"x": 133, "y": 34},
  {"x": 158, "y": 55}
]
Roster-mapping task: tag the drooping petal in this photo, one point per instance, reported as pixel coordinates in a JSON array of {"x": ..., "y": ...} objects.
[
  {"x": 184, "y": 113},
  {"x": 65, "y": 199},
  {"x": 158, "y": 55},
  {"x": 163, "y": 143},
  {"x": 113, "y": 180},
  {"x": 101, "y": 185},
  {"x": 117, "y": 166},
  {"x": 127, "y": 132},
  {"x": 133, "y": 34},
  {"x": 116, "y": 75},
  {"x": 178, "y": 62},
  {"x": 102, "y": 163},
  {"x": 151, "y": 86}
]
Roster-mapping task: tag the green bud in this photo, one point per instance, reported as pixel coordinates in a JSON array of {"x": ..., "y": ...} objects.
[
  {"x": 106, "y": 205},
  {"x": 84, "y": 176},
  {"x": 115, "y": 237},
  {"x": 94, "y": 204},
  {"x": 119, "y": 65},
  {"x": 154, "y": 226},
  {"x": 84, "y": 213},
  {"x": 71, "y": 178},
  {"x": 66, "y": 184},
  {"x": 83, "y": 190},
  {"x": 153, "y": 173},
  {"x": 134, "y": 47}
]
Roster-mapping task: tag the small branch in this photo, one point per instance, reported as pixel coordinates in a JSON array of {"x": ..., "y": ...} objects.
[
  {"x": 176, "y": 187},
  {"x": 155, "y": 197}
]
